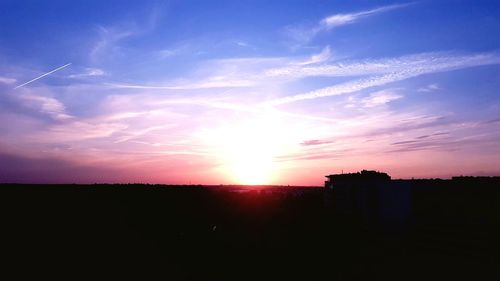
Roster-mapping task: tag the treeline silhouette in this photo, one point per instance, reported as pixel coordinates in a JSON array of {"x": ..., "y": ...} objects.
[{"x": 220, "y": 233}]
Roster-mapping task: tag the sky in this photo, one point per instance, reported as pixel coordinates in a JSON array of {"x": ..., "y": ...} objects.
[{"x": 247, "y": 92}]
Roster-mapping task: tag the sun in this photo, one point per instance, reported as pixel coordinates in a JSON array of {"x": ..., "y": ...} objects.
[
  {"x": 249, "y": 155},
  {"x": 247, "y": 148}
]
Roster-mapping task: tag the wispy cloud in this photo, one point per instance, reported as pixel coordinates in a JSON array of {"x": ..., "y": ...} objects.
[
  {"x": 320, "y": 155},
  {"x": 254, "y": 72},
  {"x": 7, "y": 80},
  {"x": 345, "y": 88},
  {"x": 432, "y": 135},
  {"x": 213, "y": 82},
  {"x": 429, "y": 88},
  {"x": 108, "y": 38},
  {"x": 349, "y": 18},
  {"x": 136, "y": 134},
  {"x": 111, "y": 38},
  {"x": 380, "y": 98},
  {"x": 305, "y": 34},
  {"x": 41, "y": 76},
  {"x": 79, "y": 131},
  {"x": 315, "y": 142},
  {"x": 386, "y": 65},
  {"x": 399, "y": 69},
  {"x": 46, "y": 105},
  {"x": 323, "y": 56},
  {"x": 447, "y": 143},
  {"x": 497, "y": 120},
  {"x": 167, "y": 53},
  {"x": 215, "y": 73},
  {"x": 89, "y": 72},
  {"x": 242, "y": 43},
  {"x": 176, "y": 50}
]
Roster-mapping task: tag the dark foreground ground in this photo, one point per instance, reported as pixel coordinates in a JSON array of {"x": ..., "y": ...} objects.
[{"x": 196, "y": 233}]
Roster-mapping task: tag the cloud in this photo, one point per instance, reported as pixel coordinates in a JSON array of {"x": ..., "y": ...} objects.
[
  {"x": 429, "y": 88},
  {"x": 167, "y": 53},
  {"x": 323, "y": 56},
  {"x": 400, "y": 124},
  {"x": 345, "y": 88},
  {"x": 425, "y": 141},
  {"x": 404, "y": 142},
  {"x": 216, "y": 73},
  {"x": 386, "y": 65},
  {"x": 369, "y": 134},
  {"x": 398, "y": 69},
  {"x": 255, "y": 72},
  {"x": 497, "y": 120},
  {"x": 435, "y": 134},
  {"x": 447, "y": 144},
  {"x": 349, "y": 18},
  {"x": 315, "y": 142},
  {"x": 78, "y": 131},
  {"x": 111, "y": 37},
  {"x": 46, "y": 105},
  {"x": 312, "y": 156},
  {"x": 176, "y": 50},
  {"x": 89, "y": 72},
  {"x": 374, "y": 99},
  {"x": 305, "y": 34},
  {"x": 242, "y": 44},
  {"x": 136, "y": 134},
  {"x": 210, "y": 83},
  {"x": 380, "y": 98},
  {"x": 108, "y": 38},
  {"x": 7, "y": 80}
]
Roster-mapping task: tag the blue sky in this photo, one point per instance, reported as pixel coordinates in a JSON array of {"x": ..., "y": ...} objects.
[{"x": 247, "y": 91}]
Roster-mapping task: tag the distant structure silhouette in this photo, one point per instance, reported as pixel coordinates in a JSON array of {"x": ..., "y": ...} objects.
[
  {"x": 370, "y": 197},
  {"x": 373, "y": 199},
  {"x": 363, "y": 176}
]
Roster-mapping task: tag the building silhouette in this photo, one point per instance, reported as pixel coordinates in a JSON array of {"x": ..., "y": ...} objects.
[{"x": 370, "y": 197}]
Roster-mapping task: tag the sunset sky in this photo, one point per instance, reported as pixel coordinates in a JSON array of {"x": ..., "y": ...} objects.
[{"x": 250, "y": 92}]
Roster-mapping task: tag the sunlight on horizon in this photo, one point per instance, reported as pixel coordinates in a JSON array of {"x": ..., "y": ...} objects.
[{"x": 247, "y": 148}]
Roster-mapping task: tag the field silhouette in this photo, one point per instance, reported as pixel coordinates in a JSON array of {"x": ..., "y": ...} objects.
[{"x": 245, "y": 233}]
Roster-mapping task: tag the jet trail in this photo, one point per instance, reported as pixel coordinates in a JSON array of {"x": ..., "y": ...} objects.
[{"x": 43, "y": 75}]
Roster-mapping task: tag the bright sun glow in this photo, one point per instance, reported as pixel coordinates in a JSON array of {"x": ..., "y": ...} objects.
[
  {"x": 250, "y": 155},
  {"x": 247, "y": 148}
]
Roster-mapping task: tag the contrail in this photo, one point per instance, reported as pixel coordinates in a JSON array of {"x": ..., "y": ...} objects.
[{"x": 41, "y": 76}]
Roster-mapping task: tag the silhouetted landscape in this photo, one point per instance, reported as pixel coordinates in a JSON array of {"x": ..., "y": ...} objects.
[
  {"x": 207, "y": 140},
  {"x": 362, "y": 225}
]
